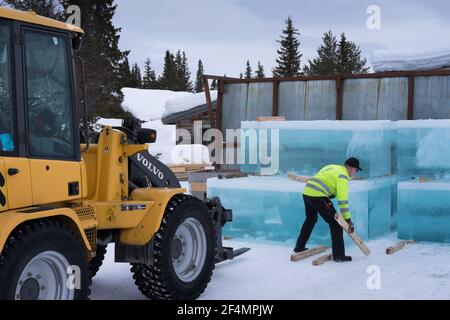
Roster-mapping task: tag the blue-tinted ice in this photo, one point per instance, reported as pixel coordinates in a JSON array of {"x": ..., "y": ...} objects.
[
  {"x": 271, "y": 208},
  {"x": 307, "y": 146},
  {"x": 424, "y": 211}
]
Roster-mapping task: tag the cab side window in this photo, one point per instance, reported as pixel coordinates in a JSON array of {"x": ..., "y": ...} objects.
[
  {"x": 49, "y": 96},
  {"x": 7, "y": 117}
]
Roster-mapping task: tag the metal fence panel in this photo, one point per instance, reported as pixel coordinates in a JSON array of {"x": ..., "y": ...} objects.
[
  {"x": 393, "y": 99},
  {"x": 259, "y": 102},
  {"x": 320, "y": 100},
  {"x": 291, "y": 101},
  {"x": 360, "y": 97},
  {"x": 432, "y": 97},
  {"x": 234, "y": 105}
]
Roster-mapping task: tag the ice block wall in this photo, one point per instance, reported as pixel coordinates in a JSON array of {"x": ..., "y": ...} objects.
[
  {"x": 307, "y": 146},
  {"x": 424, "y": 210},
  {"x": 272, "y": 208},
  {"x": 423, "y": 148}
]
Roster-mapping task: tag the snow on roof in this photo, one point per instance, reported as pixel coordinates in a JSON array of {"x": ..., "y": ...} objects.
[
  {"x": 187, "y": 103},
  {"x": 148, "y": 105},
  {"x": 386, "y": 60}
]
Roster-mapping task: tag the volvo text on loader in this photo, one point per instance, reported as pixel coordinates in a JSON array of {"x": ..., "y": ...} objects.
[{"x": 64, "y": 198}]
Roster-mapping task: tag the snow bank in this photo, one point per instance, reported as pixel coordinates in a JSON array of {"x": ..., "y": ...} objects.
[
  {"x": 190, "y": 154},
  {"x": 148, "y": 105},
  {"x": 385, "y": 60},
  {"x": 187, "y": 103}
]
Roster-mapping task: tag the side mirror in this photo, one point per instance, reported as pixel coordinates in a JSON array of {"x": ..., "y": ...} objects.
[
  {"x": 146, "y": 135},
  {"x": 76, "y": 43}
]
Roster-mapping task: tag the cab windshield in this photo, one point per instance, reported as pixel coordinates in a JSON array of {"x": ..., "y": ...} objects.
[{"x": 7, "y": 119}]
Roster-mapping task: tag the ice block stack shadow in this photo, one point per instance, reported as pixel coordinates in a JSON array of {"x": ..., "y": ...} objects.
[
  {"x": 271, "y": 208},
  {"x": 424, "y": 199}
]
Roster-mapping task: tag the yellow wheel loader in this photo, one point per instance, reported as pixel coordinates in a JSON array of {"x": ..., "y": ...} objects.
[{"x": 64, "y": 198}]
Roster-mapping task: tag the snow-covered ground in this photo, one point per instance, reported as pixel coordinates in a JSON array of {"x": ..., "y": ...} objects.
[{"x": 420, "y": 271}]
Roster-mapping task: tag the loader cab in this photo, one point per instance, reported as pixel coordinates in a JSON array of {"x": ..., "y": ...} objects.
[{"x": 39, "y": 136}]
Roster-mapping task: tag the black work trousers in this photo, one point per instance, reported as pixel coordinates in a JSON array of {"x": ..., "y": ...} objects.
[{"x": 325, "y": 208}]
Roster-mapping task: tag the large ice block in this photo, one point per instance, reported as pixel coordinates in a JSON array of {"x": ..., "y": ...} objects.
[
  {"x": 272, "y": 208},
  {"x": 307, "y": 146},
  {"x": 423, "y": 148},
  {"x": 424, "y": 210}
]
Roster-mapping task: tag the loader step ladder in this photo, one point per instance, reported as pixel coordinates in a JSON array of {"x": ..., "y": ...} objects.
[
  {"x": 356, "y": 239},
  {"x": 308, "y": 253}
]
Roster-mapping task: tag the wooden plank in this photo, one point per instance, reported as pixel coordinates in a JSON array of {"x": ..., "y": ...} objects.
[
  {"x": 309, "y": 253},
  {"x": 198, "y": 186},
  {"x": 296, "y": 177},
  {"x": 320, "y": 261},
  {"x": 399, "y": 246},
  {"x": 356, "y": 239},
  {"x": 178, "y": 169},
  {"x": 266, "y": 119}
]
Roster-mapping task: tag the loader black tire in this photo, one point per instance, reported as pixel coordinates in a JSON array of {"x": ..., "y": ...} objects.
[
  {"x": 97, "y": 261},
  {"x": 160, "y": 281},
  {"x": 36, "y": 238}
]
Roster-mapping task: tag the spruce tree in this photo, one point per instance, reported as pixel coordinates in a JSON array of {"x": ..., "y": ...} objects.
[
  {"x": 289, "y": 56},
  {"x": 260, "y": 71},
  {"x": 179, "y": 71},
  {"x": 248, "y": 70},
  {"x": 187, "y": 83},
  {"x": 48, "y": 8},
  {"x": 149, "y": 77},
  {"x": 326, "y": 63},
  {"x": 125, "y": 77},
  {"x": 241, "y": 76},
  {"x": 102, "y": 57},
  {"x": 169, "y": 78},
  {"x": 199, "y": 85},
  {"x": 214, "y": 85},
  {"x": 349, "y": 57},
  {"x": 183, "y": 79},
  {"x": 136, "y": 77}
]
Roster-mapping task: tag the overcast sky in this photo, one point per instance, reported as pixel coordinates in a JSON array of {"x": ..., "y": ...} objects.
[{"x": 225, "y": 34}]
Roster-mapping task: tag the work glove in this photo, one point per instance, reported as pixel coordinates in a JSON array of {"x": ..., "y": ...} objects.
[{"x": 351, "y": 226}]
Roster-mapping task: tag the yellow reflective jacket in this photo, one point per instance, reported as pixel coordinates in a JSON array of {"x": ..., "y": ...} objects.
[{"x": 332, "y": 181}]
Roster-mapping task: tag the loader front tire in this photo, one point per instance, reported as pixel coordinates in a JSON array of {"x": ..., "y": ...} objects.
[
  {"x": 44, "y": 260},
  {"x": 97, "y": 261},
  {"x": 184, "y": 251}
]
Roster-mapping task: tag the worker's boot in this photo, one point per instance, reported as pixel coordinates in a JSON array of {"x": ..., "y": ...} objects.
[
  {"x": 342, "y": 259},
  {"x": 298, "y": 250}
]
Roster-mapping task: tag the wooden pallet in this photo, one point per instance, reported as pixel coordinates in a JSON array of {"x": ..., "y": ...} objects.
[
  {"x": 308, "y": 253},
  {"x": 320, "y": 261},
  {"x": 356, "y": 239},
  {"x": 399, "y": 246}
]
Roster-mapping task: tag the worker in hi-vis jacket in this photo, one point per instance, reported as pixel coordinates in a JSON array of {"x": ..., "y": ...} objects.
[{"x": 332, "y": 181}]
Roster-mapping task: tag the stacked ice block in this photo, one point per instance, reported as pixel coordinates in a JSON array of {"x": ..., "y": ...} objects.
[
  {"x": 271, "y": 208},
  {"x": 424, "y": 210},
  {"x": 423, "y": 148},
  {"x": 424, "y": 201},
  {"x": 307, "y": 146}
]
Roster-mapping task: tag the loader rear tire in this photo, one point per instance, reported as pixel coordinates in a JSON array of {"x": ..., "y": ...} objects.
[
  {"x": 184, "y": 251},
  {"x": 97, "y": 261},
  {"x": 39, "y": 262}
]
